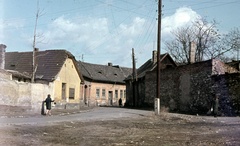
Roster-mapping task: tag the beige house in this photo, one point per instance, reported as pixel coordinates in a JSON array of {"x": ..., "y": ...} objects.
[
  {"x": 56, "y": 68},
  {"x": 103, "y": 84}
]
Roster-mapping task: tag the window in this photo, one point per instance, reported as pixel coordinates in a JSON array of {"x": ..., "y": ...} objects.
[
  {"x": 124, "y": 93},
  {"x": 97, "y": 93},
  {"x": 121, "y": 93},
  {"x": 116, "y": 93},
  {"x": 71, "y": 93},
  {"x": 103, "y": 93}
]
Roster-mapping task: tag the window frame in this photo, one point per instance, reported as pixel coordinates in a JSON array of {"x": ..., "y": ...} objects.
[
  {"x": 97, "y": 92},
  {"x": 71, "y": 93}
]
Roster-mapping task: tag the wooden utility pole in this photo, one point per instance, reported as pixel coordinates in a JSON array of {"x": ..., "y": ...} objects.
[
  {"x": 134, "y": 77},
  {"x": 134, "y": 65},
  {"x": 158, "y": 56}
]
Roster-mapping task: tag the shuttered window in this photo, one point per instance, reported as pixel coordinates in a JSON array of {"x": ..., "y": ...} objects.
[{"x": 71, "y": 93}]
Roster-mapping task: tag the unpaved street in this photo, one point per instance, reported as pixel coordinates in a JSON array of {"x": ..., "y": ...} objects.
[
  {"x": 119, "y": 126},
  {"x": 96, "y": 114}
]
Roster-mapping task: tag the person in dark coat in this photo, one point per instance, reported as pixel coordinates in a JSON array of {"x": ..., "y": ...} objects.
[
  {"x": 48, "y": 104},
  {"x": 120, "y": 102}
]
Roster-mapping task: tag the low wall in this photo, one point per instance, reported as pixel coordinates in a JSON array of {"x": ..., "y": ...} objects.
[{"x": 23, "y": 94}]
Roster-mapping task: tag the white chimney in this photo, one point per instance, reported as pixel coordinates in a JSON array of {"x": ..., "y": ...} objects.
[
  {"x": 154, "y": 56},
  {"x": 192, "y": 52},
  {"x": 2, "y": 56}
]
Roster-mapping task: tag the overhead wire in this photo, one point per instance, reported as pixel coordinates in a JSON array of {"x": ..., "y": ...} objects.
[{"x": 143, "y": 37}]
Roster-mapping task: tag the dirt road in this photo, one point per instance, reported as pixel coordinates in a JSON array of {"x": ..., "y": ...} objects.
[
  {"x": 119, "y": 126},
  {"x": 96, "y": 114}
]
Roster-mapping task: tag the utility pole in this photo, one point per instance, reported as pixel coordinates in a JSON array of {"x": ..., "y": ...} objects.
[
  {"x": 134, "y": 65},
  {"x": 157, "y": 100},
  {"x": 82, "y": 57},
  {"x": 134, "y": 77}
]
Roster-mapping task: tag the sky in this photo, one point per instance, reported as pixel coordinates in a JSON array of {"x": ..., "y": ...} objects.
[{"x": 103, "y": 31}]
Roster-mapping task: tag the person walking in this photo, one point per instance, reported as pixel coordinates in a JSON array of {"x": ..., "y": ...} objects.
[
  {"x": 48, "y": 104},
  {"x": 120, "y": 102}
]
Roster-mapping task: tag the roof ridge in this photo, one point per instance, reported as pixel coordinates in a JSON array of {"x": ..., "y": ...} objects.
[{"x": 85, "y": 68}]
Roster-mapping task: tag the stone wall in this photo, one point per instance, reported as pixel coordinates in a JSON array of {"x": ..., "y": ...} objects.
[
  {"x": 188, "y": 88},
  {"x": 227, "y": 87},
  {"x": 182, "y": 89}
]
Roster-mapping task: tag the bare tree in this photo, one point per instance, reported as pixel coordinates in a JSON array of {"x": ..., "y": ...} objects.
[
  {"x": 231, "y": 42},
  {"x": 204, "y": 34},
  {"x": 206, "y": 37},
  {"x": 179, "y": 47},
  {"x": 35, "y": 36}
]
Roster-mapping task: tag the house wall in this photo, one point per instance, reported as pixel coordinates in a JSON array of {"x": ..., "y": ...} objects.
[
  {"x": 93, "y": 100},
  {"x": 69, "y": 76},
  {"x": 129, "y": 94},
  {"x": 139, "y": 93}
]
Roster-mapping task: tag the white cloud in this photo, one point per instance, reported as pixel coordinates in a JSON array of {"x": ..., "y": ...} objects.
[
  {"x": 11, "y": 28},
  {"x": 92, "y": 37},
  {"x": 134, "y": 28},
  {"x": 183, "y": 16},
  {"x": 78, "y": 30}
]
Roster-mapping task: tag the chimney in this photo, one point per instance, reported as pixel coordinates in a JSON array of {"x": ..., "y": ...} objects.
[
  {"x": 2, "y": 56},
  {"x": 192, "y": 52},
  {"x": 36, "y": 49},
  {"x": 154, "y": 56},
  {"x": 109, "y": 64}
]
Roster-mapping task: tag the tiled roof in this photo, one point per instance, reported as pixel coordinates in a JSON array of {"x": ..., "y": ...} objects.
[
  {"x": 150, "y": 65},
  {"x": 104, "y": 73},
  {"x": 48, "y": 62}
]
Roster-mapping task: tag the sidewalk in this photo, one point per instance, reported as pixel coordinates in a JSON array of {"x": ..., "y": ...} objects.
[{"x": 21, "y": 111}]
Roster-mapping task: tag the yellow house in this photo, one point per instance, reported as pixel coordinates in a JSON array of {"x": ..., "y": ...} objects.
[
  {"x": 103, "y": 84},
  {"x": 57, "y": 68}
]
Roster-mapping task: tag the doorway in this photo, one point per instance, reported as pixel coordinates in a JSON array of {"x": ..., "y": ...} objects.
[
  {"x": 110, "y": 97},
  {"x": 63, "y": 91}
]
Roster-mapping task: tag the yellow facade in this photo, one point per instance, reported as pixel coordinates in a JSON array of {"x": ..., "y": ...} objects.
[{"x": 67, "y": 84}]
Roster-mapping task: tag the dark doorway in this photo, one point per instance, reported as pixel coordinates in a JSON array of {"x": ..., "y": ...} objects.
[
  {"x": 85, "y": 94},
  {"x": 63, "y": 91},
  {"x": 110, "y": 97}
]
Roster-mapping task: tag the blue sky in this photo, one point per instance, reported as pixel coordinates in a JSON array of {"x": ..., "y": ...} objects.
[{"x": 102, "y": 31}]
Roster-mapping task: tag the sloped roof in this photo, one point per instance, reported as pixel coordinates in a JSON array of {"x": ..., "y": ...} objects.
[
  {"x": 150, "y": 65},
  {"x": 49, "y": 62},
  {"x": 104, "y": 73},
  {"x": 235, "y": 64}
]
